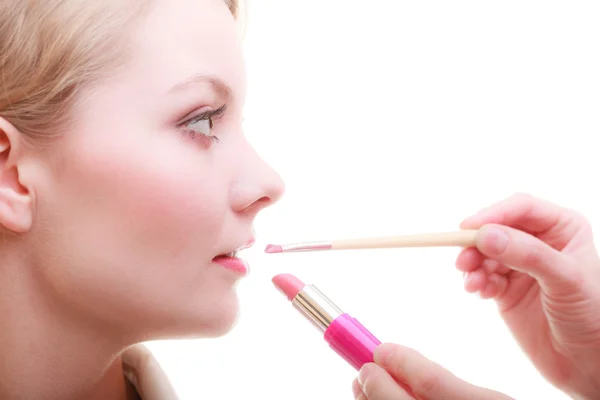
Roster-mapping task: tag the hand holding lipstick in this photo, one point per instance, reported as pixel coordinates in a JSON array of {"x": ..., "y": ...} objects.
[
  {"x": 426, "y": 380},
  {"x": 539, "y": 263}
]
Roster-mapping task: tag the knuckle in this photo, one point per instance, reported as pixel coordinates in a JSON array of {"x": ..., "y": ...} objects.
[
  {"x": 508, "y": 205},
  {"x": 574, "y": 214},
  {"x": 577, "y": 279},
  {"x": 371, "y": 385},
  {"x": 535, "y": 256},
  {"x": 426, "y": 379},
  {"x": 522, "y": 198},
  {"x": 572, "y": 277},
  {"x": 371, "y": 388},
  {"x": 426, "y": 383},
  {"x": 579, "y": 220},
  {"x": 393, "y": 359}
]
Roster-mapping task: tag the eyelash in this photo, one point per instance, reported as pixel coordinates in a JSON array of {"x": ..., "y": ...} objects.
[{"x": 210, "y": 116}]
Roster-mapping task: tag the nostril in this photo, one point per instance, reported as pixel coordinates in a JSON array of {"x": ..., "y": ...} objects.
[
  {"x": 263, "y": 201},
  {"x": 258, "y": 205}
]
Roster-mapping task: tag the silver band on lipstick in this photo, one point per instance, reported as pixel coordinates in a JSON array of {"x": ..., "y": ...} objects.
[{"x": 316, "y": 307}]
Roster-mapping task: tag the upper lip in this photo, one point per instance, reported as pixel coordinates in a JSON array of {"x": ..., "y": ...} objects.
[{"x": 246, "y": 245}]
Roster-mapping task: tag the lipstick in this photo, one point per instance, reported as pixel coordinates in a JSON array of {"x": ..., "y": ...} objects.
[{"x": 344, "y": 334}]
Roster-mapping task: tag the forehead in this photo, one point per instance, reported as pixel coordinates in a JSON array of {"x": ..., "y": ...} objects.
[{"x": 179, "y": 39}]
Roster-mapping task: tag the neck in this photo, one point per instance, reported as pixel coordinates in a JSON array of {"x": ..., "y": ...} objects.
[{"x": 47, "y": 353}]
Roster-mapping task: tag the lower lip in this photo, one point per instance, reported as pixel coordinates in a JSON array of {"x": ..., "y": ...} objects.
[{"x": 232, "y": 263}]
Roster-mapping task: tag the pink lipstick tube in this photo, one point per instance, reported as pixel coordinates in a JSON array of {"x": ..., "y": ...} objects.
[{"x": 344, "y": 334}]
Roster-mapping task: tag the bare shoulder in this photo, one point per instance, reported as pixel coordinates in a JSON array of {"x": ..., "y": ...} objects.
[{"x": 143, "y": 370}]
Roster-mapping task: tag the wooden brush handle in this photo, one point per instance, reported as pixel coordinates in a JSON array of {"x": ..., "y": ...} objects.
[{"x": 462, "y": 238}]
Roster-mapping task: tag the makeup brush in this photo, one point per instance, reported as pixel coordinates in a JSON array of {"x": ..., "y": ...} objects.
[{"x": 461, "y": 238}]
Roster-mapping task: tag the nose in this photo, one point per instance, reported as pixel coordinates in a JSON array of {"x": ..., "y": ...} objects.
[{"x": 257, "y": 186}]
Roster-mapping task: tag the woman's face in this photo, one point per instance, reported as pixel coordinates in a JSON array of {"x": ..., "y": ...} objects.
[{"x": 145, "y": 190}]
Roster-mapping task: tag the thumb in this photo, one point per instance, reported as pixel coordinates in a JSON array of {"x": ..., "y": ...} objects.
[
  {"x": 525, "y": 253},
  {"x": 426, "y": 379}
]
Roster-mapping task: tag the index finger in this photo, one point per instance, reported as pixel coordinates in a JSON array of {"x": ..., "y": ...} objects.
[
  {"x": 527, "y": 213},
  {"x": 426, "y": 379}
]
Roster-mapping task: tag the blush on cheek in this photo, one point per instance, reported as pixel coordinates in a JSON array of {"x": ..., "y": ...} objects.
[
  {"x": 171, "y": 200},
  {"x": 170, "y": 209}
]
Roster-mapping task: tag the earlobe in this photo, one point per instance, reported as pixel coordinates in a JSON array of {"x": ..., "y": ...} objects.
[
  {"x": 15, "y": 199},
  {"x": 15, "y": 211}
]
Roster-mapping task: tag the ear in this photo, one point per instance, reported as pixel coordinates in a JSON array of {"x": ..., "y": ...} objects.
[{"x": 16, "y": 212}]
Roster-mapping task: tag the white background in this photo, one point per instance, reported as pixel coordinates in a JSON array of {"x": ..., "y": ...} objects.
[{"x": 390, "y": 117}]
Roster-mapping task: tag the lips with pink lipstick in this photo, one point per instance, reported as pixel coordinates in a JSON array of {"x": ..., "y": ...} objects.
[{"x": 231, "y": 260}]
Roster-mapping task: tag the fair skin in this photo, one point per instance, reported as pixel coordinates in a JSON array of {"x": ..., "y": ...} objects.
[
  {"x": 401, "y": 373},
  {"x": 539, "y": 263},
  {"x": 114, "y": 227},
  {"x": 109, "y": 234}
]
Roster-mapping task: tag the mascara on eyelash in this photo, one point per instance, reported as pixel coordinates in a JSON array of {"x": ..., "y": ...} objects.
[{"x": 209, "y": 114}]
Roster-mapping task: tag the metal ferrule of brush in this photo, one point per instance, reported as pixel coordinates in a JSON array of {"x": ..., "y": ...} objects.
[
  {"x": 315, "y": 306},
  {"x": 311, "y": 246}
]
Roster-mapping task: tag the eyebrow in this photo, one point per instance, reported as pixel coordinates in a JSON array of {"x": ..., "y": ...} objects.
[{"x": 217, "y": 85}]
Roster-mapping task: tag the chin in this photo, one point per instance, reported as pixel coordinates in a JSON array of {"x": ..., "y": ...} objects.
[
  {"x": 213, "y": 313},
  {"x": 220, "y": 320},
  {"x": 208, "y": 320}
]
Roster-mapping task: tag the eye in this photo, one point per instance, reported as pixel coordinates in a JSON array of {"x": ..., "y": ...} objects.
[{"x": 203, "y": 124}]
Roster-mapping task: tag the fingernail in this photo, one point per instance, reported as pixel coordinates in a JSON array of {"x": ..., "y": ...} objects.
[
  {"x": 467, "y": 278},
  {"x": 362, "y": 374},
  {"x": 496, "y": 240}
]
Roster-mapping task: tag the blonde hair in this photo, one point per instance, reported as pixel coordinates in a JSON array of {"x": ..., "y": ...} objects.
[{"x": 50, "y": 49}]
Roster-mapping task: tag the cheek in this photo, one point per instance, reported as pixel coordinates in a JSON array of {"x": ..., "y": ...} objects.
[
  {"x": 145, "y": 227},
  {"x": 166, "y": 200},
  {"x": 149, "y": 202}
]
